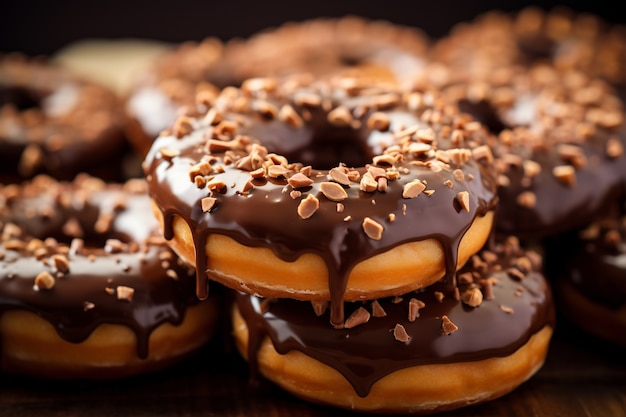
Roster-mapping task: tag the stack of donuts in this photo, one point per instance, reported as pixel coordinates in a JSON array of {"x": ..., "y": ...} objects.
[{"x": 382, "y": 215}]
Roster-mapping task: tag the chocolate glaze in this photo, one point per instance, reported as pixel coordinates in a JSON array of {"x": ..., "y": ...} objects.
[
  {"x": 368, "y": 352},
  {"x": 56, "y": 124},
  {"x": 37, "y": 214},
  {"x": 267, "y": 216},
  {"x": 594, "y": 261}
]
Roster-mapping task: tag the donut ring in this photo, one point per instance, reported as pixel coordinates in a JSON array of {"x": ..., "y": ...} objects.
[
  {"x": 590, "y": 278},
  {"x": 54, "y": 123},
  {"x": 375, "y": 50},
  {"x": 86, "y": 290},
  {"x": 442, "y": 354},
  {"x": 225, "y": 189},
  {"x": 558, "y": 141}
]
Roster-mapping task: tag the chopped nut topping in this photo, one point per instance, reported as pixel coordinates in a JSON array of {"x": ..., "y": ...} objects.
[
  {"x": 447, "y": 327},
  {"x": 566, "y": 174},
  {"x": 614, "y": 148},
  {"x": 439, "y": 296},
  {"x": 87, "y": 305},
  {"x": 168, "y": 153},
  {"x": 208, "y": 203},
  {"x": 378, "y": 121},
  {"x": 44, "y": 281},
  {"x": 473, "y": 297},
  {"x": 378, "y": 310},
  {"x": 527, "y": 199},
  {"x": 414, "y": 308},
  {"x": 308, "y": 206},
  {"x": 358, "y": 317},
  {"x": 413, "y": 189},
  {"x": 482, "y": 152},
  {"x": 319, "y": 307},
  {"x": 531, "y": 168},
  {"x": 368, "y": 183},
  {"x": 340, "y": 117},
  {"x": 458, "y": 175},
  {"x": 463, "y": 199},
  {"x": 333, "y": 191},
  {"x": 288, "y": 115},
  {"x": 339, "y": 175},
  {"x": 299, "y": 180},
  {"x": 182, "y": 127},
  {"x": 399, "y": 332},
  {"x": 373, "y": 229},
  {"x": 125, "y": 293},
  {"x": 61, "y": 263},
  {"x": 506, "y": 309}
]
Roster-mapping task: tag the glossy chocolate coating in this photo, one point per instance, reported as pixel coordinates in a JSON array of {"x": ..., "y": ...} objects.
[
  {"x": 34, "y": 220},
  {"x": 368, "y": 352},
  {"x": 594, "y": 261},
  {"x": 267, "y": 215}
]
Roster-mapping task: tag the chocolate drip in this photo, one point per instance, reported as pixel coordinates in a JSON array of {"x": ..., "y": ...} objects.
[
  {"x": 366, "y": 353},
  {"x": 267, "y": 214}
]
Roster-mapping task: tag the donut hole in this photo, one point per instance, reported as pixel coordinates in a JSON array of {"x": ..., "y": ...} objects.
[
  {"x": 318, "y": 143},
  {"x": 19, "y": 97}
]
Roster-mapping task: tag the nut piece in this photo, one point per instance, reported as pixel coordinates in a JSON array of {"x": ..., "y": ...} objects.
[
  {"x": 125, "y": 293},
  {"x": 399, "y": 332},
  {"x": 299, "y": 180},
  {"x": 208, "y": 203},
  {"x": 463, "y": 198},
  {"x": 447, "y": 327},
  {"x": 340, "y": 117},
  {"x": 373, "y": 229},
  {"x": 333, "y": 191},
  {"x": 378, "y": 310},
  {"x": 61, "y": 263},
  {"x": 566, "y": 174},
  {"x": 308, "y": 206},
  {"x": 473, "y": 297},
  {"x": 44, "y": 281},
  {"x": 413, "y": 189},
  {"x": 319, "y": 307},
  {"x": 378, "y": 121},
  {"x": 358, "y": 317},
  {"x": 414, "y": 308}
]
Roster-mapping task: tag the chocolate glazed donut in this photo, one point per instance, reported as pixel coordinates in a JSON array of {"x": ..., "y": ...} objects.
[
  {"x": 54, "y": 123},
  {"x": 87, "y": 288},
  {"x": 373, "y": 364},
  {"x": 324, "y": 179}
]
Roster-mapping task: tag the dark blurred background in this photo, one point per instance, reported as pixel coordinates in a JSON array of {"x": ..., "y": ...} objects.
[{"x": 42, "y": 27}]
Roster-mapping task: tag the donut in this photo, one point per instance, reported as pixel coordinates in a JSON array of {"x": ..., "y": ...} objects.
[
  {"x": 373, "y": 49},
  {"x": 558, "y": 133},
  {"x": 424, "y": 352},
  {"x": 53, "y": 122},
  {"x": 307, "y": 190},
  {"x": 88, "y": 288},
  {"x": 589, "y": 275}
]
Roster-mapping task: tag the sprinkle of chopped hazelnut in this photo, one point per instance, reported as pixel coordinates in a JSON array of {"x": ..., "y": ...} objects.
[
  {"x": 340, "y": 117},
  {"x": 333, "y": 191},
  {"x": 358, "y": 317},
  {"x": 506, "y": 309},
  {"x": 414, "y": 308},
  {"x": 614, "y": 148},
  {"x": 399, "y": 332},
  {"x": 87, "y": 305},
  {"x": 339, "y": 175},
  {"x": 463, "y": 198},
  {"x": 308, "y": 206},
  {"x": 61, "y": 263},
  {"x": 439, "y": 296},
  {"x": 566, "y": 174},
  {"x": 125, "y": 293},
  {"x": 373, "y": 229},
  {"x": 378, "y": 310},
  {"x": 378, "y": 121},
  {"x": 288, "y": 115},
  {"x": 413, "y": 189},
  {"x": 319, "y": 307},
  {"x": 44, "y": 281},
  {"x": 208, "y": 203},
  {"x": 447, "y": 327},
  {"x": 527, "y": 199},
  {"x": 473, "y": 297},
  {"x": 168, "y": 153}
]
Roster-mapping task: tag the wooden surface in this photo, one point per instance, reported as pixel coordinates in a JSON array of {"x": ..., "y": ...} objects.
[{"x": 581, "y": 377}]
